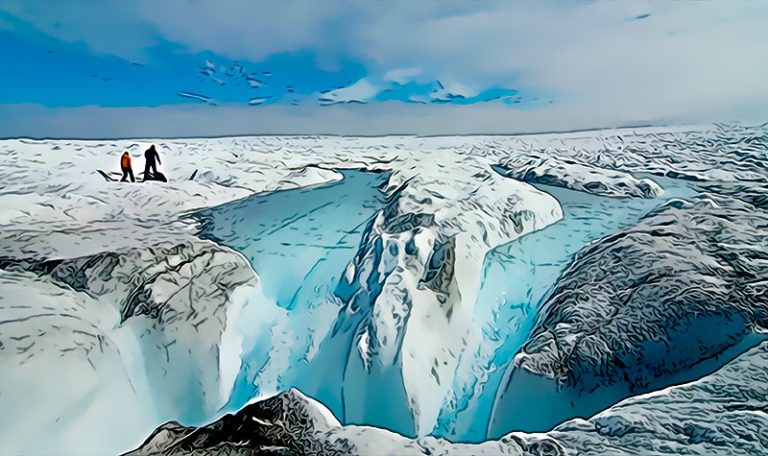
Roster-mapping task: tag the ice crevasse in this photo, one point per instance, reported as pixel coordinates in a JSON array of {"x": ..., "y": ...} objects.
[{"x": 403, "y": 307}]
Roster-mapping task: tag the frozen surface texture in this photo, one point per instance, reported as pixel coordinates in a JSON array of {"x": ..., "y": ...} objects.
[
  {"x": 135, "y": 334},
  {"x": 585, "y": 178},
  {"x": 720, "y": 414},
  {"x": 669, "y": 299},
  {"x": 410, "y": 292},
  {"x": 293, "y": 424},
  {"x": 383, "y": 302}
]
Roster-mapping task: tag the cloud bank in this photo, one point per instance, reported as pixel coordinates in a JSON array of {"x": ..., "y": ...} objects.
[{"x": 521, "y": 65}]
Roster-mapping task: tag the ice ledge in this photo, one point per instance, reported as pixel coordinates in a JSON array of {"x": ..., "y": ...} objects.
[{"x": 579, "y": 177}]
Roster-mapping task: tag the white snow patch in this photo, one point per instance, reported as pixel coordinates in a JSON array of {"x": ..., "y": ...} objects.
[{"x": 361, "y": 91}]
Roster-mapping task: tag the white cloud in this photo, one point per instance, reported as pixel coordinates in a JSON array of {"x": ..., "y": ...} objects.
[
  {"x": 687, "y": 57},
  {"x": 105, "y": 27},
  {"x": 684, "y": 59}
]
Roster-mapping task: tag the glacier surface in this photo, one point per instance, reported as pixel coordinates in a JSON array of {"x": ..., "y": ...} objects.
[{"x": 399, "y": 281}]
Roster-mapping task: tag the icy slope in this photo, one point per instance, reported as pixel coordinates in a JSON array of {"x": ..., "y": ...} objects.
[
  {"x": 517, "y": 277},
  {"x": 299, "y": 242},
  {"x": 647, "y": 307},
  {"x": 720, "y": 414},
  {"x": 410, "y": 293},
  {"x": 585, "y": 178},
  {"x": 142, "y": 331}
]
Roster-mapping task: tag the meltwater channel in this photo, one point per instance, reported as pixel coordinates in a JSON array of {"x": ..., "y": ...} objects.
[{"x": 300, "y": 241}]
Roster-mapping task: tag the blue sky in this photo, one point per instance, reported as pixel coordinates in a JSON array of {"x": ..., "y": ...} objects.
[{"x": 166, "y": 67}]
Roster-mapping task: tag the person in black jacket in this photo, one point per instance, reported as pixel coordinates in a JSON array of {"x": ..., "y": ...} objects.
[{"x": 152, "y": 159}]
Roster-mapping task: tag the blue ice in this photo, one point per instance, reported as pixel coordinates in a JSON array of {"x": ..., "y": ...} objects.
[
  {"x": 517, "y": 278},
  {"x": 299, "y": 242}
]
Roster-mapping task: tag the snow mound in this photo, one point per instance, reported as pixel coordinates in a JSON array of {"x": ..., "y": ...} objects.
[
  {"x": 644, "y": 308},
  {"x": 584, "y": 178}
]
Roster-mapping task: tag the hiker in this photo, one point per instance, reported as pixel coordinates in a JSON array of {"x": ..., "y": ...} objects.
[
  {"x": 125, "y": 165},
  {"x": 152, "y": 159}
]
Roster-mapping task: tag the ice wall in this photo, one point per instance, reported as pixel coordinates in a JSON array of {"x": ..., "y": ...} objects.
[
  {"x": 409, "y": 294},
  {"x": 299, "y": 242},
  {"x": 136, "y": 330},
  {"x": 665, "y": 301},
  {"x": 517, "y": 277}
]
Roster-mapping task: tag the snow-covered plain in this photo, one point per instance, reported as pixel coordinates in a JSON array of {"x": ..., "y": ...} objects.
[{"x": 110, "y": 286}]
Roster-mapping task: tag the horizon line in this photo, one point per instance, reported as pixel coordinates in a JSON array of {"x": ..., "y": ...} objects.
[{"x": 337, "y": 135}]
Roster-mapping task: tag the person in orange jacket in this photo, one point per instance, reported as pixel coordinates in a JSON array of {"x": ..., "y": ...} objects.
[{"x": 125, "y": 165}]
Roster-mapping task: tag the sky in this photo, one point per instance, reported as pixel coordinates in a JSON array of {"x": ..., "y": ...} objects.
[{"x": 106, "y": 68}]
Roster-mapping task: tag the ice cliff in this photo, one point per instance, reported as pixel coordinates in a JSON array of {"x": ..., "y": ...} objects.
[
  {"x": 143, "y": 331},
  {"x": 666, "y": 301},
  {"x": 409, "y": 295}
]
